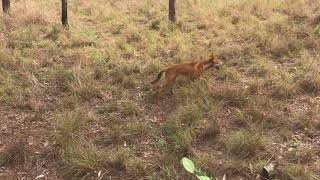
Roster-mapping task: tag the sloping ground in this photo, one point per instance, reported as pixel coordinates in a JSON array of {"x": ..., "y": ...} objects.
[{"x": 77, "y": 104}]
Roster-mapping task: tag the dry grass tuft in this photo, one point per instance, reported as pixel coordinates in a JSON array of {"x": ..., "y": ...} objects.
[
  {"x": 295, "y": 172},
  {"x": 14, "y": 154},
  {"x": 232, "y": 96},
  {"x": 244, "y": 143},
  {"x": 94, "y": 82},
  {"x": 310, "y": 82}
]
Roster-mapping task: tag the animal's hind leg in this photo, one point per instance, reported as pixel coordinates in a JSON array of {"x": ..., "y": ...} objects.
[{"x": 168, "y": 84}]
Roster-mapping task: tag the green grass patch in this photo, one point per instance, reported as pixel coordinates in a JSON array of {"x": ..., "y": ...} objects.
[{"x": 244, "y": 144}]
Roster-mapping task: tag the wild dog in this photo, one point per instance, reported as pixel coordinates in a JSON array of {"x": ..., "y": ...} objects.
[{"x": 193, "y": 69}]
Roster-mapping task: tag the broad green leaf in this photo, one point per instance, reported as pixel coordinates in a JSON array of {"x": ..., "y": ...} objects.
[
  {"x": 203, "y": 177},
  {"x": 188, "y": 164}
]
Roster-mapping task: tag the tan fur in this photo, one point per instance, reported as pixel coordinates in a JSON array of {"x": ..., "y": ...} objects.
[{"x": 193, "y": 70}]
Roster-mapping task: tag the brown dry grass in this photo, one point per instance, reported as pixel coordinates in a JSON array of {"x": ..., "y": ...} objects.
[{"x": 85, "y": 93}]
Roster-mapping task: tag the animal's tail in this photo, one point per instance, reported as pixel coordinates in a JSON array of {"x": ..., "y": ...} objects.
[{"x": 158, "y": 77}]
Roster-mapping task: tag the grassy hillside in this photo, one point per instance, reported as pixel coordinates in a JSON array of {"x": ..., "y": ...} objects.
[{"x": 77, "y": 103}]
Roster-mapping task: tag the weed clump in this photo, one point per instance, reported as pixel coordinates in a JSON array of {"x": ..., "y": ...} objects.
[
  {"x": 54, "y": 34},
  {"x": 124, "y": 74},
  {"x": 228, "y": 74},
  {"x": 244, "y": 143},
  {"x": 119, "y": 159},
  {"x": 310, "y": 83},
  {"x": 179, "y": 140},
  {"x": 14, "y": 154},
  {"x": 87, "y": 92},
  {"x": 69, "y": 124},
  {"x": 268, "y": 85},
  {"x": 232, "y": 96},
  {"x": 9, "y": 93},
  {"x": 81, "y": 159},
  {"x": 6, "y": 60},
  {"x": 119, "y": 133},
  {"x": 189, "y": 114},
  {"x": 123, "y": 108},
  {"x": 295, "y": 172},
  {"x": 60, "y": 76},
  {"x": 212, "y": 130},
  {"x": 182, "y": 141},
  {"x": 283, "y": 90},
  {"x": 210, "y": 126}
]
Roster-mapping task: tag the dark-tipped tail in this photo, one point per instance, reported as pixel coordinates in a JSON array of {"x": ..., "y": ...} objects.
[{"x": 158, "y": 77}]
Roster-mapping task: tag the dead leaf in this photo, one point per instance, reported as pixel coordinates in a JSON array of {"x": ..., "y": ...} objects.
[
  {"x": 40, "y": 176},
  {"x": 155, "y": 119}
]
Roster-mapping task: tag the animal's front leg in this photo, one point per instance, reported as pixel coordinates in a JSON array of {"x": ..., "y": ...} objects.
[
  {"x": 156, "y": 87},
  {"x": 194, "y": 77},
  {"x": 198, "y": 73}
]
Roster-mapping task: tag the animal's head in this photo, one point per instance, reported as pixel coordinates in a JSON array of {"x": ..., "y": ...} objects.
[{"x": 215, "y": 61}]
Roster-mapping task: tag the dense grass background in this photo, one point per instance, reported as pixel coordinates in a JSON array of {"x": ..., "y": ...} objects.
[{"x": 81, "y": 100}]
